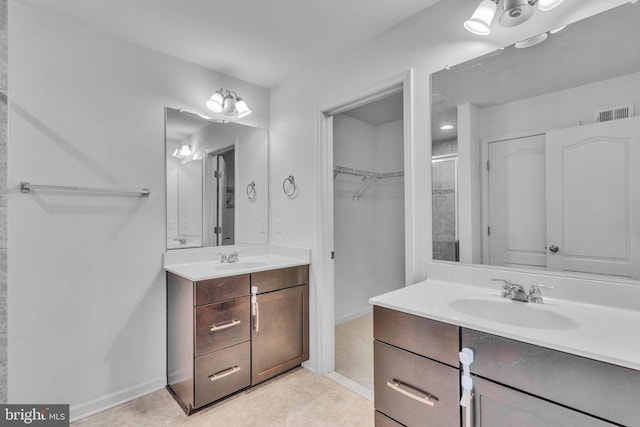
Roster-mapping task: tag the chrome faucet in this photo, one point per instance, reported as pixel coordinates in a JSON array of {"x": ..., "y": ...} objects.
[
  {"x": 516, "y": 292},
  {"x": 232, "y": 257},
  {"x": 535, "y": 295},
  {"x": 512, "y": 291}
]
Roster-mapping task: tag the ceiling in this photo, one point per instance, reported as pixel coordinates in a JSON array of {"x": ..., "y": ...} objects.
[
  {"x": 381, "y": 111},
  {"x": 597, "y": 48},
  {"x": 260, "y": 41}
]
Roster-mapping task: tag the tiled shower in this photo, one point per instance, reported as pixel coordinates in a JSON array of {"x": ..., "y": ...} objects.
[{"x": 444, "y": 193}]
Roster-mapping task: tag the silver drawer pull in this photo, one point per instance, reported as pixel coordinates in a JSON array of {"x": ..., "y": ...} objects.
[
  {"x": 427, "y": 399},
  {"x": 224, "y": 325},
  {"x": 225, "y": 373}
]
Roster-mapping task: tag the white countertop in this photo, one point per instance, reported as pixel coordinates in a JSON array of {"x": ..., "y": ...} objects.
[
  {"x": 203, "y": 270},
  {"x": 601, "y": 332}
]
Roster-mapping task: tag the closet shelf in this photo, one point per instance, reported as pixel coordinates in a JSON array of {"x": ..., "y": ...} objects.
[{"x": 368, "y": 177}]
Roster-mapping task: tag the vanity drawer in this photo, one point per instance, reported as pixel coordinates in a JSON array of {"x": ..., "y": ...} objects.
[
  {"x": 381, "y": 420},
  {"x": 222, "y": 288},
  {"x": 222, "y": 373},
  {"x": 401, "y": 381},
  {"x": 282, "y": 278},
  {"x": 597, "y": 388},
  {"x": 222, "y": 325},
  {"x": 430, "y": 338}
]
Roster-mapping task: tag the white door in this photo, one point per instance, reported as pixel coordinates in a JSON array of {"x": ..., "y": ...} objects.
[
  {"x": 593, "y": 200},
  {"x": 517, "y": 226}
]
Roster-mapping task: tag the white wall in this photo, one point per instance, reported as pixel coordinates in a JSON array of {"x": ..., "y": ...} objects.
[
  {"x": 86, "y": 285},
  {"x": 369, "y": 232},
  {"x": 567, "y": 107},
  {"x": 426, "y": 43}
]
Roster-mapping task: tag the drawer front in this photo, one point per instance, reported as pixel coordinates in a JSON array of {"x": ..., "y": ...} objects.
[
  {"x": 381, "y": 420},
  {"x": 403, "y": 379},
  {"x": 282, "y": 278},
  {"x": 222, "y": 288},
  {"x": 597, "y": 388},
  {"x": 222, "y": 325},
  {"x": 221, "y": 373},
  {"x": 494, "y": 404},
  {"x": 430, "y": 338}
]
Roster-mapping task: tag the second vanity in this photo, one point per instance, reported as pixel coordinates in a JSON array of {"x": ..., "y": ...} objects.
[
  {"x": 562, "y": 363},
  {"x": 232, "y": 325}
]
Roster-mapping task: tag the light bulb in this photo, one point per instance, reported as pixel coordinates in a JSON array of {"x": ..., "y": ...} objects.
[
  {"x": 185, "y": 150},
  {"x": 215, "y": 102},
  {"x": 242, "y": 108},
  {"x": 480, "y": 21},
  {"x": 230, "y": 106}
]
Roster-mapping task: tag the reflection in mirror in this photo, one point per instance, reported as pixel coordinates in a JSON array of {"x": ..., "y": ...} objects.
[
  {"x": 543, "y": 153},
  {"x": 217, "y": 182}
]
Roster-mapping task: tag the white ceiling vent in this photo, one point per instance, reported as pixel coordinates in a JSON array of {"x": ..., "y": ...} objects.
[{"x": 615, "y": 113}]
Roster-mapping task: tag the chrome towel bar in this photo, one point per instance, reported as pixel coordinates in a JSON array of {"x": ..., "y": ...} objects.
[{"x": 26, "y": 187}]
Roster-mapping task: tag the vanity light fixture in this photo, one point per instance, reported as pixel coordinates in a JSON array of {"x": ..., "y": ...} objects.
[
  {"x": 182, "y": 151},
  {"x": 514, "y": 12},
  {"x": 446, "y": 127},
  {"x": 229, "y": 103}
]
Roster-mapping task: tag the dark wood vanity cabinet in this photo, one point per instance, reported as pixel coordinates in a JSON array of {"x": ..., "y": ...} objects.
[
  {"x": 217, "y": 346},
  {"x": 514, "y": 383},
  {"x": 416, "y": 378},
  {"x": 538, "y": 386}
]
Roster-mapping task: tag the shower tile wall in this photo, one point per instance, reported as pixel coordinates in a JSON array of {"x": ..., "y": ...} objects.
[
  {"x": 444, "y": 201},
  {"x": 4, "y": 42},
  {"x": 444, "y": 146}
]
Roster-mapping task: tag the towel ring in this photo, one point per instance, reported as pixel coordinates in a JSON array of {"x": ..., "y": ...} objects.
[
  {"x": 251, "y": 191},
  {"x": 292, "y": 183}
]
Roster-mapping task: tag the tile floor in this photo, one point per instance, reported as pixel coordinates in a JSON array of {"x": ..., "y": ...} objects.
[{"x": 295, "y": 399}]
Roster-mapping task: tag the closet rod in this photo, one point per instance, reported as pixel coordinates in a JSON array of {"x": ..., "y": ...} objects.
[
  {"x": 369, "y": 174},
  {"x": 26, "y": 187}
]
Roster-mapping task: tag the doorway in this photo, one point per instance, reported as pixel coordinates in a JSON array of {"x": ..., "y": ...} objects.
[
  {"x": 219, "y": 197},
  {"x": 368, "y": 227}
]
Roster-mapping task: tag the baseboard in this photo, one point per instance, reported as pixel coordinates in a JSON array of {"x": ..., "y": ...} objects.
[
  {"x": 351, "y": 385},
  {"x": 355, "y": 315},
  {"x": 84, "y": 410}
]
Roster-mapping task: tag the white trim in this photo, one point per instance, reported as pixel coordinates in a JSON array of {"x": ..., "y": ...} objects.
[
  {"x": 354, "y": 315},
  {"x": 324, "y": 154},
  {"x": 92, "y": 407}
]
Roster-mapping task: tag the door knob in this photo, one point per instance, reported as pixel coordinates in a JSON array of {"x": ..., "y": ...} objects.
[{"x": 553, "y": 248}]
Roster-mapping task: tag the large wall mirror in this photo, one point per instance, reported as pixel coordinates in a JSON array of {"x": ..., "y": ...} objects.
[
  {"x": 539, "y": 167},
  {"x": 217, "y": 182}
]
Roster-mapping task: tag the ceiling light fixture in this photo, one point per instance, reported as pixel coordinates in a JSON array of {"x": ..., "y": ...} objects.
[
  {"x": 229, "y": 103},
  {"x": 182, "y": 151},
  {"x": 446, "y": 127},
  {"x": 514, "y": 12}
]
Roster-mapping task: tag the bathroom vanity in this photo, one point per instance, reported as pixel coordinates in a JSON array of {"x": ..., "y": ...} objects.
[
  {"x": 522, "y": 376},
  {"x": 233, "y": 325}
]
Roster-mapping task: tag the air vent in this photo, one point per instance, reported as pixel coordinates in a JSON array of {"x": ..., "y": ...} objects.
[{"x": 615, "y": 113}]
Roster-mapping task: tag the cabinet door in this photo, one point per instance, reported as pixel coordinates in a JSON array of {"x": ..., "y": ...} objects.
[
  {"x": 280, "y": 332},
  {"x": 496, "y": 405}
]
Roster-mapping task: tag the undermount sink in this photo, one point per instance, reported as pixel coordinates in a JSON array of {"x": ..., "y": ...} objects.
[
  {"x": 527, "y": 315},
  {"x": 240, "y": 265}
]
